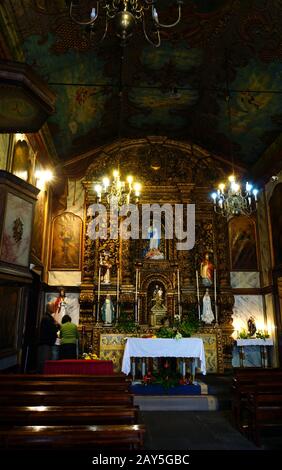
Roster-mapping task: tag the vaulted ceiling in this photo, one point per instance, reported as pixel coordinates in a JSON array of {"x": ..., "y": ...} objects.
[{"x": 178, "y": 90}]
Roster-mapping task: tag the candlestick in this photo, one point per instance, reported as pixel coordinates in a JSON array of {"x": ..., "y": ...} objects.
[
  {"x": 198, "y": 294},
  {"x": 214, "y": 281},
  {"x": 215, "y": 296},
  {"x": 136, "y": 296},
  {"x": 138, "y": 309},
  {"x": 117, "y": 293},
  {"x": 136, "y": 284},
  {"x": 178, "y": 293},
  {"x": 99, "y": 287}
]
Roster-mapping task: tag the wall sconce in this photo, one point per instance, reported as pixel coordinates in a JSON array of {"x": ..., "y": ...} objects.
[{"x": 43, "y": 177}]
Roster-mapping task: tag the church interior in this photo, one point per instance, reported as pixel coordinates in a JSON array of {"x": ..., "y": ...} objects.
[{"x": 141, "y": 207}]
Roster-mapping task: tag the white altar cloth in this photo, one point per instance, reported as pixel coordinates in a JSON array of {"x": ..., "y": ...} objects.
[
  {"x": 254, "y": 342},
  {"x": 163, "y": 347}
]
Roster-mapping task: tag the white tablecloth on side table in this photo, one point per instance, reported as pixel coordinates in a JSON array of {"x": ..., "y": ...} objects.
[
  {"x": 163, "y": 347},
  {"x": 254, "y": 342}
]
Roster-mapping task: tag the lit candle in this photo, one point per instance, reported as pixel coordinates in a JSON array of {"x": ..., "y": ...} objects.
[{"x": 198, "y": 294}]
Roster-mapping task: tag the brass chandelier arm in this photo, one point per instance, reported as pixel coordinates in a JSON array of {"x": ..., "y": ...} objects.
[
  {"x": 84, "y": 23},
  {"x": 161, "y": 25},
  {"x": 154, "y": 44}
]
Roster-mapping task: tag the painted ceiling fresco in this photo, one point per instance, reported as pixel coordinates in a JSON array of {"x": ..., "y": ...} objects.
[{"x": 178, "y": 90}]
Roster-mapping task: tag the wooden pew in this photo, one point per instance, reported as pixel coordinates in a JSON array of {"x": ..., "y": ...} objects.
[
  {"x": 63, "y": 386},
  {"x": 63, "y": 415},
  {"x": 58, "y": 398},
  {"x": 120, "y": 378},
  {"x": 119, "y": 437},
  {"x": 245, "y": 384},
  {"x": 264, "y": 411}
]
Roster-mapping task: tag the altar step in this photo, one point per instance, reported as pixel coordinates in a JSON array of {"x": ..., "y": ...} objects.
[
  {"x": 209, "y": 395},
  {"x": 177, "y": 403}
]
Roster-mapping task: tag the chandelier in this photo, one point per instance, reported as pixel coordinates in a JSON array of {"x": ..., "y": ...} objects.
[
  {"x": 117, "y": 192},
  {"x": 230, "y": 199},
  {"x": 233, "y": 198},
  {"x": 126, "y": 14}
]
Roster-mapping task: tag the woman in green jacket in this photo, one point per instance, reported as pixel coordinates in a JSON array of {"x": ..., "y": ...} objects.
[{"x": 69, "y": 337}]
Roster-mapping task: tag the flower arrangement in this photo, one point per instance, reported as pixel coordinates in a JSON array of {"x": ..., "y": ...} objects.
[
  {"x": 166, "y": 376},
  {"x": 90, "y": 356},
  {"x": 260, "y": 334}
]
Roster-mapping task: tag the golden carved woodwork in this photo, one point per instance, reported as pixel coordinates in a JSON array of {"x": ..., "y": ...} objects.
[{"x": 171, "y": 173}]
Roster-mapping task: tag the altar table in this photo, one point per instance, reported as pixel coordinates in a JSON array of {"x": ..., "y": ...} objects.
[
  {"x": 163, "y": 347},
  {"x": 79, "y": 367},
  {"x": 254, "y": 342}
]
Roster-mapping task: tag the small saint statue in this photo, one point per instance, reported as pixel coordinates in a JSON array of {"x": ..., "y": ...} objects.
[
  {"x": 158, "y": 311},
  {"x": 108, "y": 311},
  {"x": 251, "y": 326},
  {"x": 106, "y": 265},
  {"x": 207, "y": 315},
  {"x": 206, "y": 271},
  {"x": 153, "y": 251},
  {"x": 158, "y": 296}
]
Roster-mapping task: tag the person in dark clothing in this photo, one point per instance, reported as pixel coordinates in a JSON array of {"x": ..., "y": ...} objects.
[{"x": 47, "y": 338}]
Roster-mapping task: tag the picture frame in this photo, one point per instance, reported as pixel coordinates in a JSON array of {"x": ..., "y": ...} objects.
[
  {"x": 17, "y": 230},
  {"x": 66, "y": 242}
]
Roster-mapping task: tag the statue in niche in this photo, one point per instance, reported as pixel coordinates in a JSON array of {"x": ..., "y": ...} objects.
[
  {"x": 158, "y": 296},
  {"x": 158, "y": 311},
  {"x": 207, "y": 314},
  {"x": 108, "y": 311},
  {"x": 154, "y": 237},
  {"x": 106, "y": 265}
]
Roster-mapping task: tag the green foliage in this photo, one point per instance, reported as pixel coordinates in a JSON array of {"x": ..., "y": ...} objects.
[
  {"x": 166, "y": 376},
  {"x": 260, "y": 334},
  {"x": 243, "y": 334},
  {"x": 126, "y": 324},
  {"x": 165, "y": 332},
  {"x": 183, "y": 329},
  {"x": 188, "y": 327}
]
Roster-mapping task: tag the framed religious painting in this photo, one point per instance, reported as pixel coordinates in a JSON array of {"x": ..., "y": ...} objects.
[
  {"x": 17, "y": 230},
  {"x": 242, "y": 244},
  {"x": 70, "y": 306},
  {"x": 66, "y": 242}
]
